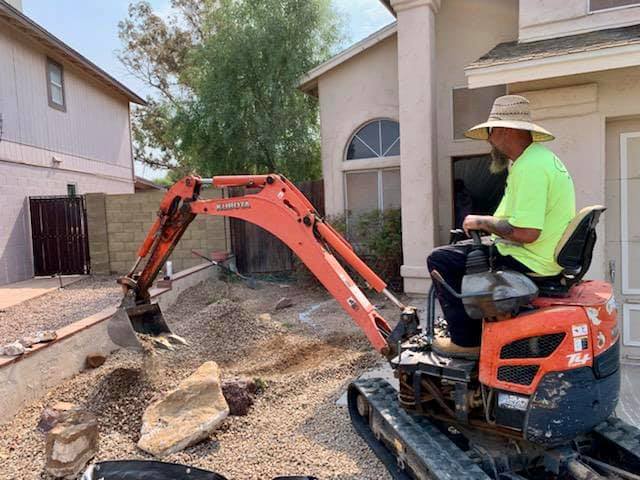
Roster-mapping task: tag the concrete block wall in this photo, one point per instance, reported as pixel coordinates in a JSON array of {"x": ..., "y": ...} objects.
[
  {"x": 118, "y": 224},
  {"x": 18, "y": 183}
]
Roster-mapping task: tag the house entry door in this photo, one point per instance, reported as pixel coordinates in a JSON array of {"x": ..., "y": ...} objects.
[
  {"x": 623, "y": 228},
  {"x": 59, "y": 235}
]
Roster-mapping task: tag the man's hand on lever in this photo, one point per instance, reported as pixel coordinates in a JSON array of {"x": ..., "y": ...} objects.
[{"x": 500, "y": 227}]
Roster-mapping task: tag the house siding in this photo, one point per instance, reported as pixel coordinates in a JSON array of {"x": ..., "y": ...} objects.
[
  {"x": 540, "y": 19},
  {"x": 43, "y": 149}
]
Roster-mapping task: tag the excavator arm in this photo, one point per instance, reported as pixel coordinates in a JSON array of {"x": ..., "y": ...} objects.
[{"x": 281, "y": 209}]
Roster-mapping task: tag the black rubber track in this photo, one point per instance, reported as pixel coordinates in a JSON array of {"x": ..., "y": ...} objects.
[{"x": 438, "y": 455}]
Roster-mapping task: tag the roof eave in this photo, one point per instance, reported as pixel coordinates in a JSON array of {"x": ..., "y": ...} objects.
[
  {"x": 387, "y": 4},
  {"x": 309, "y": 83},
  {"x": 553, "y": 66},
  {"x": 28, "y": 27}
]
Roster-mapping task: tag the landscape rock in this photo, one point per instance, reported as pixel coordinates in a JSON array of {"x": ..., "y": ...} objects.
[
  {"x": 71, "y": 443},
  {"x": 12, "y": 349},
  {"x": 53, "y": 414},
  {"x": 264, "y": 317},
  {"x": 186, "y": 415},
  {"x": 27, "y": 342},
  {"x": 284, "y": 302},
  {"x": 237, "y": 392},
  {"x": 95, "y": 360},
  {"x": 44, "y": 336}
]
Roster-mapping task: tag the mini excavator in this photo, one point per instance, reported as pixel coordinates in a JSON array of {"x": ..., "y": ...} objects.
[{"x": 538, "y": 404}]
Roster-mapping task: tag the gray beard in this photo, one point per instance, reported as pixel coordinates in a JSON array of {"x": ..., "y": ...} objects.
[{"x": 499, "y": 161}]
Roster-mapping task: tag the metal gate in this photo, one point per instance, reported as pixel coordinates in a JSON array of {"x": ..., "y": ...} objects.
[{"x": 59, "y": 235}]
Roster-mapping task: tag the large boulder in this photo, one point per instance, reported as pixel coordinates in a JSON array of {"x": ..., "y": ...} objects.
[
  {"x": 71, "y": 443},
  {"x": 186, "y": 415}
]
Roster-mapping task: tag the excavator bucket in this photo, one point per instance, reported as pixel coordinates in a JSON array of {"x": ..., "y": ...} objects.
[{"x": 141, "y": 327}]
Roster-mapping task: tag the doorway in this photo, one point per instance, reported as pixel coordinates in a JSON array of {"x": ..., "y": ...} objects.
[
  {"x": 622, "y": 187},
  {"x": 475, "y": 189}
]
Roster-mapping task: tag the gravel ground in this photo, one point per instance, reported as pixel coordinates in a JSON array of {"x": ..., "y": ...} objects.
[
  {"x": 294, "y": 426},
  {"x": 59, "y": 308}
]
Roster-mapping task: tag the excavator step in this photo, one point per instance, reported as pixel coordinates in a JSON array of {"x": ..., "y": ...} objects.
[{"x": 410, "y": 446}]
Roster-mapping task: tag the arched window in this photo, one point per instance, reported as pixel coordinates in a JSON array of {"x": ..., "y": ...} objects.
[{"x": 377, "y": 139}]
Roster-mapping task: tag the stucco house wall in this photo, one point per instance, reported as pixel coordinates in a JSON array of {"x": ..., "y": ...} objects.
[
  {"x": 44, "y": 149},
  {"x": 465, "y": 29},
  {"x": 576, "y": 110},
  {"x": 541, "y": 19},
  {"x": 360, "y": 90}
]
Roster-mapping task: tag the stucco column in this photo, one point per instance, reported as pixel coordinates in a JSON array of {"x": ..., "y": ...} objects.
[{"x": 416, "y": 82}]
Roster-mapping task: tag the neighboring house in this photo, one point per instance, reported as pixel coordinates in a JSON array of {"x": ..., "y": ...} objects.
[
  {"x": 64, "y": 129},
  {"x": 143, "y": 185},
  {"x": 435, "y": 72}
]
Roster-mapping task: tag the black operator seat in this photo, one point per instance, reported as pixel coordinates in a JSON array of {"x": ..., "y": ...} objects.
[{"x": 573, "y": 253}]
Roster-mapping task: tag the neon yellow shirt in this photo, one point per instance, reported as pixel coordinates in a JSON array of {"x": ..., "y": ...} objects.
[{"x": 539, "y": 194}]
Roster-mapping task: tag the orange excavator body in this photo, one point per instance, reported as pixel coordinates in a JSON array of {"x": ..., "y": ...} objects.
[{"x": 548, "y": 372}]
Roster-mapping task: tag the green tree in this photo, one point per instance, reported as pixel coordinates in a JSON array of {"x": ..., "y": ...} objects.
[{"x": 226, "y": 74}]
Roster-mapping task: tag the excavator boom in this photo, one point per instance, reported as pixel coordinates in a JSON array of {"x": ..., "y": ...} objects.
[{"x": 281, "y": 209}]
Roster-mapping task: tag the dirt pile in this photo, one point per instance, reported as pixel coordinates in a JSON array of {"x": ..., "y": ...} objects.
[
  {"x": 119, "y": 400},
  {"x": 294, "y": 426},
  {"x": 222, "y": 331}
]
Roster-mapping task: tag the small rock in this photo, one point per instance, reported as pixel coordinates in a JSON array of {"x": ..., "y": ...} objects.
[
  {"x": 71, "y": 443},
  {"x": 43, "y": 336},
  {"x": 52, "y": 415},
  {"x": 264, "y": 317},
  {"x": 48, "y": 419},
  {"x": 64, "y": 406},
  {"x": 186, "y": 415},
  {"x": 95, "y": 360},
  {"x": 27, "y": 342},
  {"x": 284, "y": 302},
  {"x": 237, "y": 392},
  {"x": 12, "y": 349}
]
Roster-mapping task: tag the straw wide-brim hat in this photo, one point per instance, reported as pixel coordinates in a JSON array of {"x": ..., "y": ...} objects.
[{"x": 510, "y": 111}]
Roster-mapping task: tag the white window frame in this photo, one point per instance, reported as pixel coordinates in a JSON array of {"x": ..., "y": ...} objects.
[
  {"x": 624, "y": 213},
  {"x": 626, "y": 324},
  {"x": 52, "y": 103},
  {"x": 380, "y": 158},
  {"x": 610, "y": 9},
  {"x": 379, "y": 186}
]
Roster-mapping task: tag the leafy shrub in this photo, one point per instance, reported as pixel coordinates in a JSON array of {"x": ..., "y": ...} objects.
[{"x": 377, "y": 238}]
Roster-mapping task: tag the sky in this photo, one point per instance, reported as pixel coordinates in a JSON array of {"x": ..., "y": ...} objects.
[{"x": 91, "y": 28}]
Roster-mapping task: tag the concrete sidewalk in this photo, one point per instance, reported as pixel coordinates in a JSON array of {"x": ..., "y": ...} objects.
[{"x": 15, "y": 293}]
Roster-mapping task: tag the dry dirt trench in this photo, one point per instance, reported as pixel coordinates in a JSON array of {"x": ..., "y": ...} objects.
[{"x": 307, "y": 354}]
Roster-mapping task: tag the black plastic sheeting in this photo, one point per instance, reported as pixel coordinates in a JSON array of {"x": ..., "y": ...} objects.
[{"x": 151, "y": 470}]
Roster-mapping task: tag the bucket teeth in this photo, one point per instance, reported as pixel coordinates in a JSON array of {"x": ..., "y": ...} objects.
[
  {"x": 177, "y": 339},
  {"x": 163, "y": 342}
]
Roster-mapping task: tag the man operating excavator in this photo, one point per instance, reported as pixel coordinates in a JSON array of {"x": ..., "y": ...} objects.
[{"x": 537, "y": 206}]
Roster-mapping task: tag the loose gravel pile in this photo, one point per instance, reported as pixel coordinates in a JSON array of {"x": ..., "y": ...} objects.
[
  {"x": 294, "y": 427},
  {"x": 59, "y": 308}
]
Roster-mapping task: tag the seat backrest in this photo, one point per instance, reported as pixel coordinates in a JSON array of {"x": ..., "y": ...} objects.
[{"x": 575, "y": 249}]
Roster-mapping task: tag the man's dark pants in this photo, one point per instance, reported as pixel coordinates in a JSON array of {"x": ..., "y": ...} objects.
[{"x": 450, "y": 262}]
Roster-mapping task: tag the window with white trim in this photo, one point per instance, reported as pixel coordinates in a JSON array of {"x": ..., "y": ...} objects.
[
  {"x": 55, "y": 85},
  {"x": 597, "y": 5},
  {"x": 377, "y": 139},
  {"x": 369, "y": 190}
]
